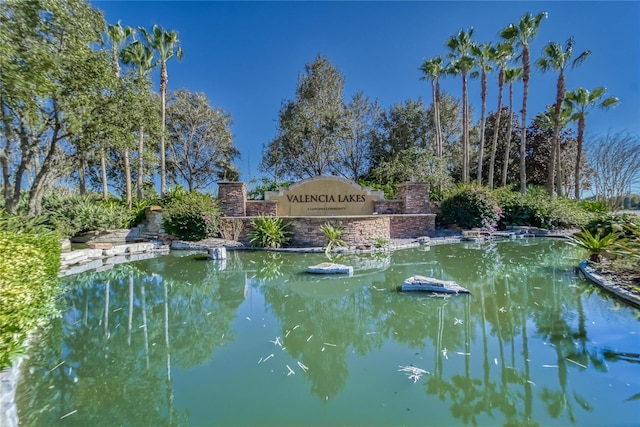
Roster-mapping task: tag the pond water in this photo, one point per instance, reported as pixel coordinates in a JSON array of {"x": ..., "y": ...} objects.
[{"x": 255, "y": 341}]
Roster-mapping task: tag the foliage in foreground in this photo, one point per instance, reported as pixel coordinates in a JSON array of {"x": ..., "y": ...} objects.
[
  {"x": 269, "y": 232},
  {"x": 29, "y": 265},
  {"x": 190, "y": 215}
]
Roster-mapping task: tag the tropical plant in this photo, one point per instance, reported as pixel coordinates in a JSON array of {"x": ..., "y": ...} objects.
[
  {"x": 432, "y": 70},
  {"x": 510, "y": 76},
  {"x": 269, "y": 232},
  {"x": 167, "y": 45},
  {"x": 503, "y": 53},
  {"x": 520, "y": 35},
  {"x": 581, "y": 101},
  {"x": 333, "y": 235},
  {"x": 597, "y": 244},
  {"x": 380, "y": 242},
  {"x": 141, "y": 57},
  {"x": 484, "y": 57},
  {"x": 116, "y": 35},
  {"x": 460, "y": 52},
  {"x": 556, "y": 58}
]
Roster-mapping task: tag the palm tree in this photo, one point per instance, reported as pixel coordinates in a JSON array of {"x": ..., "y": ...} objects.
[
  {"x": 510, "y": 76},
  {"x": 503, "y": 54},
  {"x": 166, "y": 43},
  {"x": 432, "y": 70},
  {"x": 484, "y": 56},
  {"x": 461, "y": 63},
  {"x": 116, "y": 35},
  {"x": 140, "y": 56},
  {"x": 554, "y": 57},
  {"x": 521, "y": 34},
  {"x": 582, "y": 101}
]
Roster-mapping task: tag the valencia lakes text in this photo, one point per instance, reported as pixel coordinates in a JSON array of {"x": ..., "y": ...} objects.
[{"x": 326, "y": 198}]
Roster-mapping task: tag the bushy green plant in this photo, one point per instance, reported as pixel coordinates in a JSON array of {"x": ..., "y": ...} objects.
[
  {"x": 29, "y": 265},
  {"x": 538, "y": 209},
  {"x": 333, "y": 235},
  {"x": 594, "y": 206},
  {"x": 258, "y": 189},
  {"x": 190, "y": 215},
  {"x": 268, "y": 232},
  {"x": 610, "y": 222},
  {"x": 471, "y": 207},
  {"x": 380, "y": 242},
  {"x": 73, "y": 213},
  {"x": 597, "y": 244}
]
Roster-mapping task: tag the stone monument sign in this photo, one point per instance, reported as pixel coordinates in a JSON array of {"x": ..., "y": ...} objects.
[{"x": 324, "y": 196}]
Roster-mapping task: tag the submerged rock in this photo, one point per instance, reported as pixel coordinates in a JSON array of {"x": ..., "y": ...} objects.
[
  {"x": 330, "y": 268},
  {"x": 429, "y": 284}
]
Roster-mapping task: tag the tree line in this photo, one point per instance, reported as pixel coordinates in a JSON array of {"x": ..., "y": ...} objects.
[
  {"x": 321, "y": 133},
  {"x": 77, "y": 105}
]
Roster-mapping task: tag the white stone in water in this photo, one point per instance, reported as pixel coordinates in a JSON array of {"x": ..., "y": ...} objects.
[
  {"x": 429, "y": 284},
  {"x": 217, "y": 253},
  {"x": 330, "y": 268}
]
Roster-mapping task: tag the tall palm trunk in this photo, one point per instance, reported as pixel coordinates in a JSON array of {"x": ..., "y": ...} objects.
[
  {"x": 526, "y": 71},
  {"x": 163, "y": 94},
  {"x": 127, "y": 176},
  {"x": 465, "y": 130},
  {"x": 507, "y": 149},
  {"x": 103, "y": 174},
  {"x": 555, "y": 161},
  {"x": 140, "y": 180},
  {"x": 496, "y": 128},
  {"x": 483, "y": 114},
  {"x": 581, "y": 125},
  {"x": 435, "y": 89}
]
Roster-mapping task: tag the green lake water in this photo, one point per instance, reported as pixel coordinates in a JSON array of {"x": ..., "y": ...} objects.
[{"x": 255, "y": 341}]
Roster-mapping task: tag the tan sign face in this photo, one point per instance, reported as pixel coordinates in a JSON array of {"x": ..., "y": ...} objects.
[{"x": 324, "y": 196}]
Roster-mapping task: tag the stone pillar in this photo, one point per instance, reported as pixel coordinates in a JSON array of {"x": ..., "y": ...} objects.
[
  {"x": 232, "y": 197},
  {"x": 415, "y": 197}
]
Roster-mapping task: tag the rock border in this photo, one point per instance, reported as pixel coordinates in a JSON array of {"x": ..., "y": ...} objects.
[{"x": 616, "y": 289}]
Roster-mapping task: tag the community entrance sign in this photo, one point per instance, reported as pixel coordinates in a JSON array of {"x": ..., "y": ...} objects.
[{"x": 324, "y": 196}]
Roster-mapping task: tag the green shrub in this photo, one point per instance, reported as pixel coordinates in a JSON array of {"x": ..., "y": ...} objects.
[
  {"x": 268, "y": 232},
  {"x": 471, "y": 207},
  {"x": 71, "y": 213},
  {"x": 190, "y": 216},
  {"x": 594, "y": 206},
  {"x": 612, "y": 223},
  {"x": 538, "y": 209},
  {"x": 29, "y": 265}
]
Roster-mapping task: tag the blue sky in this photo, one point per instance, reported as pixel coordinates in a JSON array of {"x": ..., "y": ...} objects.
[{"x": 246, "y": 56}]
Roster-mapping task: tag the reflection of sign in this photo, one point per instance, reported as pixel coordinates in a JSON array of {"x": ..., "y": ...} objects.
[{"x": 324, "y": 196}]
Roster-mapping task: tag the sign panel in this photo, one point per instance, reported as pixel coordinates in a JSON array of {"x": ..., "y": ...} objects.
[{"x": 324, "y": 196}]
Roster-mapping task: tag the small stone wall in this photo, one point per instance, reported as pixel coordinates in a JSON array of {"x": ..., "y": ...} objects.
[
  {"x": 358, "y": 230},
  {"x": 233, "y": 198},
  {"x": 387, "y": 207},
  {"x": 261, "y": 207},
  {"x": 415, "y": 196},
  {"x": 411, "y": 226}
]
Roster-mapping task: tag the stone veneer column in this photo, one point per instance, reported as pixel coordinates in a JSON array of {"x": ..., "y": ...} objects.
[
  {"x": 232, "y": 197},
  {"x": 415, "y": 197}
]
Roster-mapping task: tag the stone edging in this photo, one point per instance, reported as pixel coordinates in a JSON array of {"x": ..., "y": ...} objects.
[{"x": 620, "y": 291}]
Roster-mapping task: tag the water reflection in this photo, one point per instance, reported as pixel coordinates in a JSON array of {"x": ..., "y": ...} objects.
[{"x": 528, "y": 347}]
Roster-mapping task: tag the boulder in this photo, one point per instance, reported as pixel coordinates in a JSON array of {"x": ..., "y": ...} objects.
[
  {"x": 429, "y": 284},
  {"x": 330, "y": 268}
]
